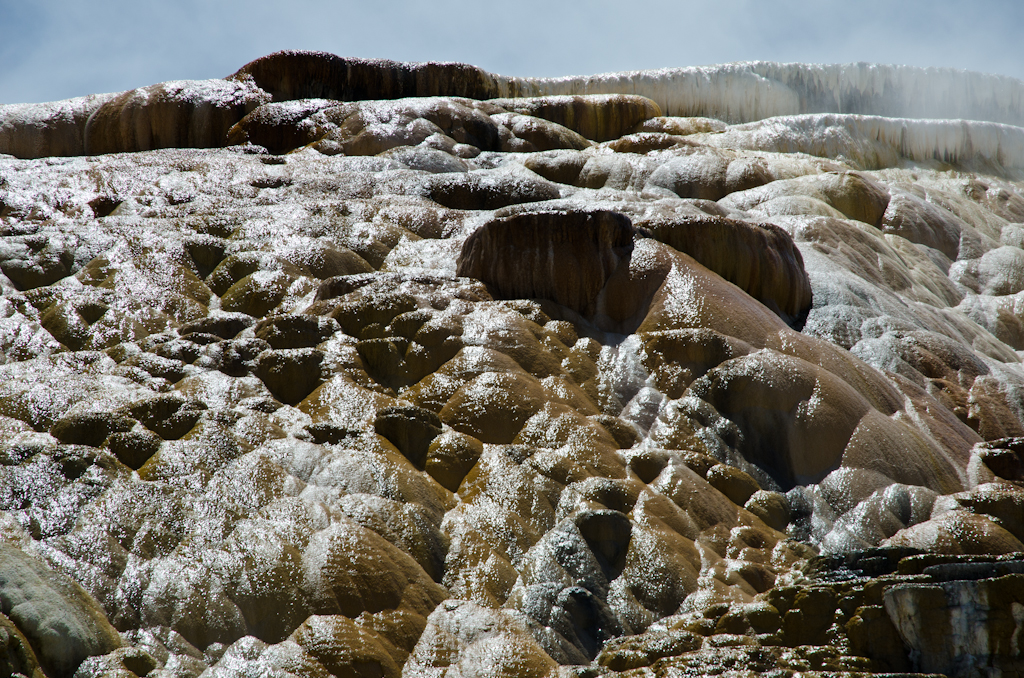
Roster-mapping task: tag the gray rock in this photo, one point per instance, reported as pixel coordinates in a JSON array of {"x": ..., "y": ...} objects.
[{"x": 61, "y": 621}]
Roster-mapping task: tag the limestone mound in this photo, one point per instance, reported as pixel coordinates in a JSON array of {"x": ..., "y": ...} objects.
[
  {"x": 760, "y": 259},
  {"x": 191, "y": 114},
  {"x": 293, "y": 74}
]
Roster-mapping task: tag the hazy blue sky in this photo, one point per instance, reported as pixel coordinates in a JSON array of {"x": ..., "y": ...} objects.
[{"x": 54, "y": 49}]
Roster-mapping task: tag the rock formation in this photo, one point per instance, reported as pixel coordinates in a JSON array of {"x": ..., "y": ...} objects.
[{"x": 361, "y": 368}]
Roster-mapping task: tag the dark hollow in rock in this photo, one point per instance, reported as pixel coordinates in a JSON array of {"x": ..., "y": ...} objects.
[
  {"x": 201, "y": 338},
  {"x": 133, "y": 448},
  {"x": 579, "y": 621},
  {"x": 169, "y": 416},
  {"x": 384, "y": 358},
  {"x": 223, "y": 326},
  {"x": 238, "y": 356},
  {"x": 17, "y": 454},
  {"x": 339, "y": 286},
  {"x": 293, "y": 74},
  {"x": 411, "y": 429},
  {"x": 607, "y": 533},
  {"x": 566, "y": 256},
  {"x": 407, "y": 324},
  {"x": 90, "y": 428},
  {"x": 206, "y": 251},
  {"x": 624, "y": 433},
  {"x": 140, "y": 663},
  {"x": 616, "y": 495},
  {"x": 328, "y": 433},
  {"x": 760, "y": 259},
  {"x": 290, "y": 374},
  {"x": 75, "y": 460},
  {"x": 163, "y": 368},
  {"x": 648, "y": 464},
  {"x": 103, "y": 205},
  {"x": 91, "y": 311},
  {"x": 1004, "y": 457},
  {"x": 296, "y": 331},
  {"x": 381, "y": 309},
  {"x": 232, "y": 269}
]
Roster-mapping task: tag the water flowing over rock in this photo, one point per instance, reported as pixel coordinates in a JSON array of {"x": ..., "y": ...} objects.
[
  {"x": 601, "y": 118},
  {"x": 747, "y": 91},
  {"x": 355, "y": 367}
]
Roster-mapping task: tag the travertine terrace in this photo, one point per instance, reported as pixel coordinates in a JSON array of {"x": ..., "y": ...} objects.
[{"x": 363, "y": 368}]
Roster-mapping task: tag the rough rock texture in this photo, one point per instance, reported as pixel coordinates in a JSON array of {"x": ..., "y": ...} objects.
[
  {"x": 759, "y": 258},
  {"x": 290, "y": 75},
  {"x": 410, "y": 379},
  {"x": 566, "y": 257},
  {"x": 61, "y": 622}
]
